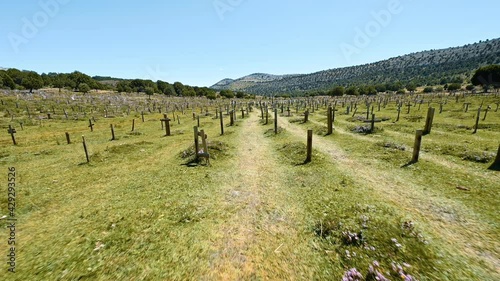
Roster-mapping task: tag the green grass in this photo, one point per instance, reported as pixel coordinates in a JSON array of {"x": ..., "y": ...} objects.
[{"x": 144, "y": 209}]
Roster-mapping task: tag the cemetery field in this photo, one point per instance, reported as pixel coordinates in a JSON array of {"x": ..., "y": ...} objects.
[{"x": 143, "y": 207}]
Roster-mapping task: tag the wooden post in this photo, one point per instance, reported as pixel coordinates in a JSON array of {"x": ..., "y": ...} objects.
[
  {"x": 496, "y": 164},
  {"x": 12, "y": 131},
  {"x": 91, "y": 125},
  {"x": 329, "y": 121},
  {"x": 133, "y": 125},
  {"x": 477, "y": 120},
  {"x": 67, "y": 138},
  {"x": 399, "y": 113},
  {"x": 267, "y": 115},
  {"x": 309, "y": 145},
  {"x": 112, "y": 132},
  {"x": 142, "y": 114},
  {"x": 21, "y": 124},
  {"x": 221, "y": 123},
  {"x": 242, "y": 113},
  {"x": 417, "y": 145},
  {"x": 466, "y": 106},
  {"x": 261, "y": 112},
  {"x": 178, "y": 120},
  {"x": 85, "y": 148},
  {"x": 409, "y": 106},
  {"x": 167, "y": 124},
  {"x": 196, "y": 142},
  {"x": 486, "y": 112},
  {"x": 306, "y": 116},
  {"x": 275, "y": 121},
  {"x": 372, "y": 128},
  {"x": 204, "y": 143},
  {"x": 429, "y": 120},
  {"x": 231, "y": 116},
  {"x": 440, "y": 108},
  {"x": 198, "y": 120}
]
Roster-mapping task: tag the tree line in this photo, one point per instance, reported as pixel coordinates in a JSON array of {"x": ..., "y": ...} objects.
[
  {"x": 486, "y": 78},
  {"x": 16, "y": 79}
]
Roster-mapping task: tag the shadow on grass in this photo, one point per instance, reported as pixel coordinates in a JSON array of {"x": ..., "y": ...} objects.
[
  {"x": 193, "y": 163},
  {"x": 409, "y": 164},
  {"x": 495, "y": 167}
]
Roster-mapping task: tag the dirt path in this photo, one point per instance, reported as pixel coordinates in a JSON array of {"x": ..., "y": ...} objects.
[
  {"x": 260, "y": 238},
  {"x": 449, "y": 219}
]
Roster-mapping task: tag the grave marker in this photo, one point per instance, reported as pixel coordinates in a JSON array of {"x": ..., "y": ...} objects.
[
  {"x": 309, "y": 146},
  {"x": 167, "y": 124},
  {"x": 12, "y": 131},
  {"x": 91, "y": 125},
  {"x": 85, "y": 148},
  {"x": 416, "y": 146},
  {"x": 112, "y": 132}
]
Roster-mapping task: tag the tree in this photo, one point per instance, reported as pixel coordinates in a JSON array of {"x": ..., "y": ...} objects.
[
  {"x": 211, "y": 96},
  {"x": 84, "y": 88},
  {"x": 454, "y": 87},
  {"x": 123, "y": 87},
  {"x": 352, "y": 91},
  {"x": 227, "y": 94},
  {"x": 179, "y": 88},
  {"x": 240, "y": 95},
  {"x": 428, "y": 89},
  {"x": 337, "y": 91},
  {"x": 16, "y": 75},
  {"x": 411, "y": 87},
  {"x": 58, "y": 82},
  {"x": 188, "y": 91},
  {"x": 7, "y": 80},
  {"x": 78, "y": 78},
  {"x": 149, "y": 91},
  {"x": 469, "y": 87},
  {"x": 487, "y": 76},
  {"x": 32, "y": 81}
]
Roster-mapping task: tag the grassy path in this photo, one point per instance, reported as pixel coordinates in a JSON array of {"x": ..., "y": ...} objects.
[
  {"x": 260, "y": 239},
  {"x": 458, "y": 227}
]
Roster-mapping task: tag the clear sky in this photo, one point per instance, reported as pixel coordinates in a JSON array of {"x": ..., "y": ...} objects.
[{"x": 199, "y": 42}]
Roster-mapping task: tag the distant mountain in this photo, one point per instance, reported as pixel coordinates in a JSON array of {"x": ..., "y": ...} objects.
[
  {"x": 423, "y": 68},
  {"x": 248, "y": 81}
]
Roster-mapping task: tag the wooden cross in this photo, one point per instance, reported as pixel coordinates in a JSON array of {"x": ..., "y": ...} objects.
[
  {"x": 12, "y": 131},
  {"x": 91, "y": 125},
  {"x": 167, "y": 124}
]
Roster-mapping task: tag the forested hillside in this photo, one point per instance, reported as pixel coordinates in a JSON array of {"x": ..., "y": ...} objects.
[{"x": 433, "y": 67}]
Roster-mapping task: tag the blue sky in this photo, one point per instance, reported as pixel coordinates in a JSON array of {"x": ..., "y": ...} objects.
[{"x": 199, "y": 42}]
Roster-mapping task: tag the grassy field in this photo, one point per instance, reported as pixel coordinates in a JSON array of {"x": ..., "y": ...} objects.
[{"x": 143, "y": 209}]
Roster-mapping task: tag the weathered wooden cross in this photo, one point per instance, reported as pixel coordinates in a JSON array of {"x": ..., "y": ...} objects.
[
  {"x": 203, "y": 152},
  {"x": 12, "y": 131},
  {"x": 91, "y": 125},
  {"x": 167, "y": 124}
]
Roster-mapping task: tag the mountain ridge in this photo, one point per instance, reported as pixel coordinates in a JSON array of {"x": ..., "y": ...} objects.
[{"x": 425, "y": 67}]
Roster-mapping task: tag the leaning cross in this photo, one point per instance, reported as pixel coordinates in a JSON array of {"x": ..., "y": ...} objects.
[
  {"x": 91, "y": 125},
  {"x": 12, "y": 131}
]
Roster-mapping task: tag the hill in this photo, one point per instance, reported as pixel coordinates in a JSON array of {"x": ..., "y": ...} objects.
[{"x": 430, "y": 67}]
